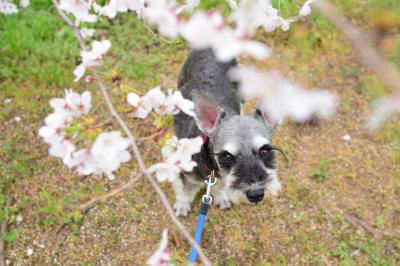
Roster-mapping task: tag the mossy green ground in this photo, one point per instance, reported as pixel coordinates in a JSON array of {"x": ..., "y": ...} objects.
[{"x": 325, "y": 177}]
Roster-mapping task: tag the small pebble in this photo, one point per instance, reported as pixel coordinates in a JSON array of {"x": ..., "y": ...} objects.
[
  {"x": 346, "y": 137},
  {"x": 29, "y": 252},
  {"x": 19, "y": 218}
]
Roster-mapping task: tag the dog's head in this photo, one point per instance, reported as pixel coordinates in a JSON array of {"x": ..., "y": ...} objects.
[{"x": 242, "y": 146}]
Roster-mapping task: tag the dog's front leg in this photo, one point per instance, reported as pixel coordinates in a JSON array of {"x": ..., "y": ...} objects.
[
  {"x": 221, "y": 196},
  {"x": 185, "y": 191}
]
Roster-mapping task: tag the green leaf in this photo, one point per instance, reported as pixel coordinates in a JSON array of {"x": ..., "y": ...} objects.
[{"x": 12, "y": 236}]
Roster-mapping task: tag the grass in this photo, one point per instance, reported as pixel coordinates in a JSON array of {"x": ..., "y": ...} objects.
[
  {"x": 302, "y": 226},
  {"x": 321, "y": 173}
]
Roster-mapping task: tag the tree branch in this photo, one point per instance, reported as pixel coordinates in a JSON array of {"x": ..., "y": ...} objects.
[
  {"x": 153, "y": 136},
  {"x": 361, "y": 42},
  {"x": 354, "y": 221},
  {"x": 92, "y": 202},
  {"x": 114, "y": 113}
]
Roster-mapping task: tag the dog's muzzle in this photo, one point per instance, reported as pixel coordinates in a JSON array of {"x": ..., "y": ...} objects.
[{"x": 255, "y": 195}]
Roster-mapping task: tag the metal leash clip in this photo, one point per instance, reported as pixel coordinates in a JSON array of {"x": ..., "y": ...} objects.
[{"x": 212, "y": 180}]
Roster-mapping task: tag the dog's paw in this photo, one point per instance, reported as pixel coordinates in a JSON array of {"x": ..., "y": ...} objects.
[
  {"x": 181, "y": 208},
  {"x": 223, "y": 201}
]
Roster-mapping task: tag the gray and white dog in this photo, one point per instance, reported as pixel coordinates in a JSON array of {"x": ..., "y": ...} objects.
[{"x": 238, "y": 147}]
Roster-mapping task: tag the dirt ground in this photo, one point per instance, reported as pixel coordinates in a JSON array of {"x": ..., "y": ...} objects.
[{"x": 326, "y": 180}]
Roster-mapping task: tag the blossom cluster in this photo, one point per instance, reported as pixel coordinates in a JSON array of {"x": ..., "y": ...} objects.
[
  {"x": 281, "y": 97},
  {"x": 7, "y": 7},
  {"x": 177, "y": 155},
  {"x": 202, "y": 30},
  {"x": 106, "y": 154},
  {"x": 93, "y": 57},
  {"x": 156, "y": 100}
]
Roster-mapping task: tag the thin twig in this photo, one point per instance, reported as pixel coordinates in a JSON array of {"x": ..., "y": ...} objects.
[
  {"x": 158, "y": 36},
  {"x": 361, "y": 42},
  {"x": 3, "y": 232},
  {"x": 153, "y": 136},
  {"x": 354, "y": 221},
  {"x": 71, "y": 25},
  {"x": 114, "y": 113},
  {"x": 83, "y": 208}
]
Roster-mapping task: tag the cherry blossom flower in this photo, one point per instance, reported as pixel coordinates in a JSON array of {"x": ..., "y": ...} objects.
[
  {"x": 205, "y": 30},
  {"x": 177, "y": 155},
  {"x": 85, "y": 162},
  {"x": 187, "y": 147},
  {"x": 162, "y": 255},
  {"x": 80, "y": 9},
  {"x": 165, "y": 171},
  {"x": 7, "y": 8},
  {"x": 114, "y": 6},
  {"x": 140, "y": 108},
  {"x": 175, "y": 103},
  {"x": 104, "y": 157},
  {"x": 382, "y": 110},
  {"x": 305, "y": 9},
  {"x": 273, "y": 20},
  {"x": 202, "y": 28},
  {"x": 106, "y": 154},
  {"x": 156, "y": 100},
  {"x": 250, "y": 15},
  {"x": 52, "y": 132},
  {"x": 72, "y": 104},
  {"x": 86, "y": 32},
  {"x": 170, "y": 146},
  {"x": 92, "y": 58},
  {"x": 63, "y": 150},
  {"x": 163, "y": 13},
  {"x": 24, "y": 3},
  {"x": 282, "y": 98},
  {"x": 109, "y": 144}
]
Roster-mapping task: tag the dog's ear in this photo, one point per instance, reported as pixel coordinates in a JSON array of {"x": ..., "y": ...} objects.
[
  {"x": 267, "y": 119},
  {"x": 208, "y": 113}
]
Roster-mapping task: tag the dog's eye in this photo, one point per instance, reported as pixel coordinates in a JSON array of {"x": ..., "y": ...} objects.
[
  {"x": 226, "y": 156},
  {"x": 265, "y": 150}
]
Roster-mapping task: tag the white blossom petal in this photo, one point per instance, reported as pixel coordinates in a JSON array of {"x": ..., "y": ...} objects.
[
  {"x": 108, "y": 144},
  {"x": 162, "y": 255},
  {"x": 86, "y": 32},
  {"x": 80, "y": 9},
  {"x": 282, "y": 98},
  {"x": 165, "y": 171},
  {"x": 162, "y": 13}
]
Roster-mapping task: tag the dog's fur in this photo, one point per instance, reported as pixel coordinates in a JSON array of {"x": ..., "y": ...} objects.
[{"x": 239, "y": 147}]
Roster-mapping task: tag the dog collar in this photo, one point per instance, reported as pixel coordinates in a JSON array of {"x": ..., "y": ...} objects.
[{"x": 207, "y": 157}]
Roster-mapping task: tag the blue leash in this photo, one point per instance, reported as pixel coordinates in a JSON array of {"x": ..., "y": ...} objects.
[
  {"x": 199, "y": 231},
  {"x": 205, "y": 204}
]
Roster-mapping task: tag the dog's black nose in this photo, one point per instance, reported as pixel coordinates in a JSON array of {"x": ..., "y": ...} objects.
[{"x": 255, "y": 195}]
